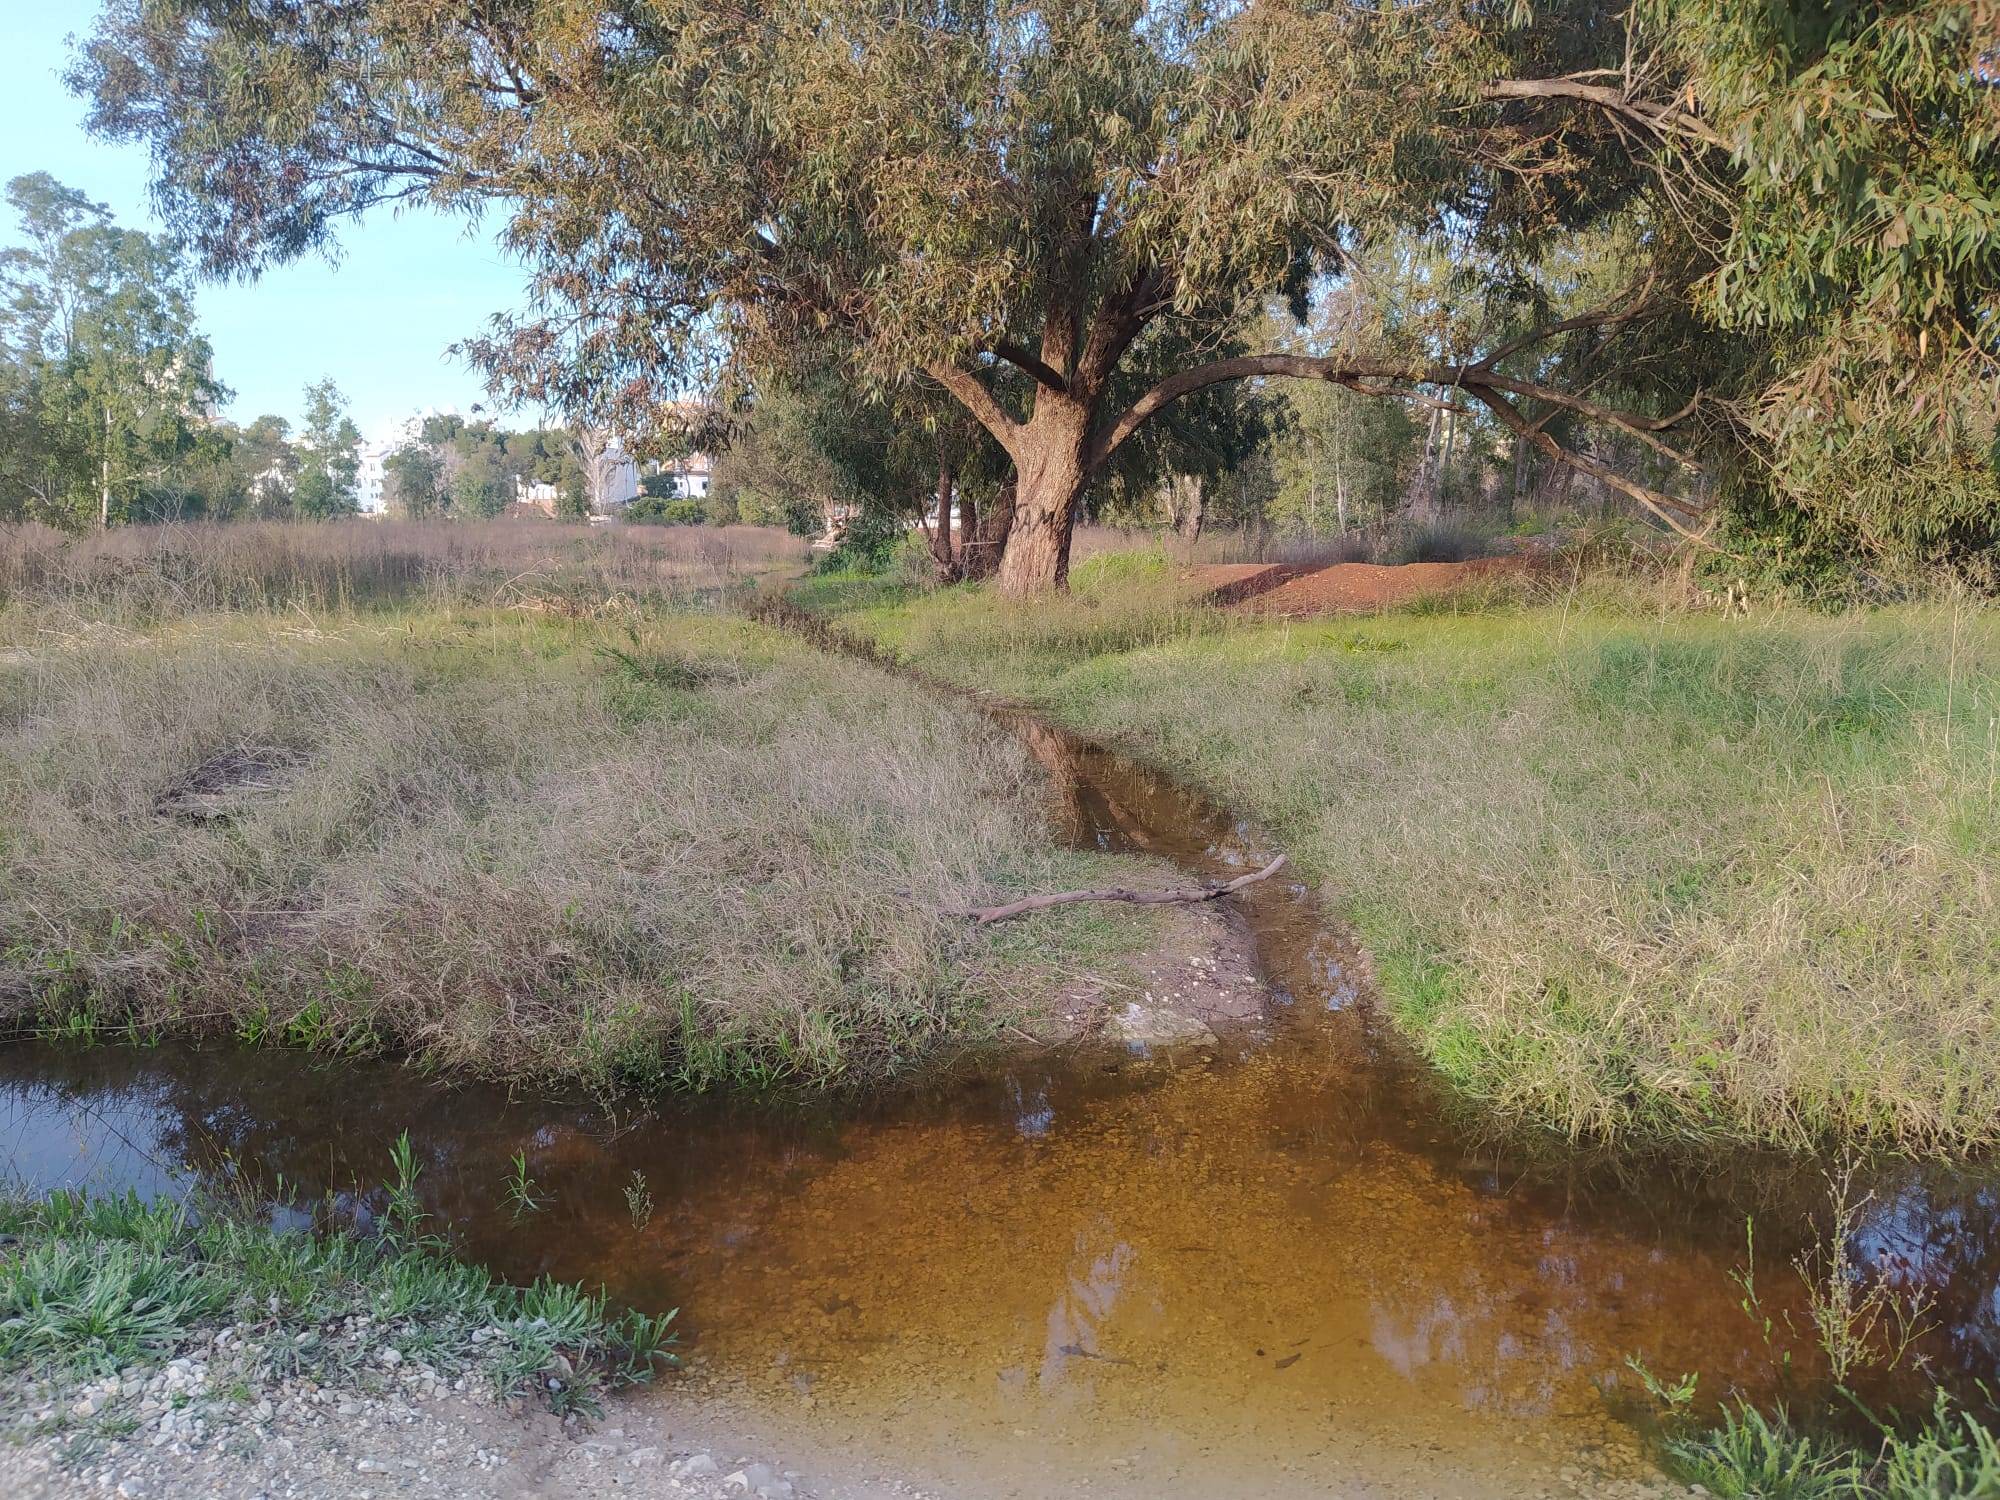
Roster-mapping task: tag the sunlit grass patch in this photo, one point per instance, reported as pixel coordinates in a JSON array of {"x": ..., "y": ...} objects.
[{"x": 1627, "y": 871}]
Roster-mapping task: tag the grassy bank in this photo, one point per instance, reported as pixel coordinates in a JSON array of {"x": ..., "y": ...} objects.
[
  {"x": 588, "y": 836},
  {"x": 117, "y": 1314},
  {"x": 1631, "y": 870},
  {"x": 1951, "y": 1455}
]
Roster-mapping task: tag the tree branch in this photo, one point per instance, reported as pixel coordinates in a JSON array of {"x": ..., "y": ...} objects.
[
  {"x": 1660, "y": 505},
  {"x": 1474, "y": 380},
  {"x": 986, "y": 914},
  {"x": 1022, "y": 359},
  {"x": 1120, "y": 320},
  {"x": 975, "y": 398},
  {"x": 1661, "y": 119},
  {"x": 1628, "y": 306}
]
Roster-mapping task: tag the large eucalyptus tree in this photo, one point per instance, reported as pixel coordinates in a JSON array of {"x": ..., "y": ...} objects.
[{"x": 949, "y": 188}]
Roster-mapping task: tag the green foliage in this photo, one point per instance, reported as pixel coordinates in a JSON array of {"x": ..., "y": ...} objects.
[
  {"x": 105, "y": 383},
  {"x": 1860, "y": 248},
  {"x": 415, "y": 482},
  {"x": 656, "y": 510},
  {"x": 1751, "y": 1455},
  {"x": 969, "y": 200},
  {"x": 328, "y": 462},
  {"x": 1754, "y": 1457},
  {"x": 522, "y": 1194},
  {"x": 1769, "y": 233},
  {"x": 864, "y": 544},
  {"x": 96, "y": 1285}
]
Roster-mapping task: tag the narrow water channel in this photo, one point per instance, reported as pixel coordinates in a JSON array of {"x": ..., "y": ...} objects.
[{"x": 1280, "y": 1266}]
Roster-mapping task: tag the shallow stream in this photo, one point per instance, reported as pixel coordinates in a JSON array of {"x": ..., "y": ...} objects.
[{"x": 1282, "y": 1265}]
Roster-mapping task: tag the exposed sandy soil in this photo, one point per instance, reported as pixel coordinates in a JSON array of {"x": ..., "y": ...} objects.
[
  {"x": 1200, "y": 970},
  {"x": 676, "y": 1443},
  {"x": 1343, "y": 588}
]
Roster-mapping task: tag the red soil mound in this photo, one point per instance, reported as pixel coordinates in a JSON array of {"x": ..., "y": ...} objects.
[{"x": 1343, "y": 588}]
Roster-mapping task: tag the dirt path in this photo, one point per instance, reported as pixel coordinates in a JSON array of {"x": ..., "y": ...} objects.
[{"x": 1344, "y": 588}]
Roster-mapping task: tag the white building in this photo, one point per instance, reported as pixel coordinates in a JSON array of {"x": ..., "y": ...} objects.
[
  {"x": 369, "y": 477},
  {"x": 688, "y": 477},
  {"x": 372, "y": 454}
]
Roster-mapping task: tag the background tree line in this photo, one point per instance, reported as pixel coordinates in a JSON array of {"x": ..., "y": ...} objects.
[{"x": 1735, "y": 262}]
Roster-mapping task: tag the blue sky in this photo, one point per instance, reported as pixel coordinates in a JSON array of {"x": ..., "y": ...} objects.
[{"x": 379, "y": 322}]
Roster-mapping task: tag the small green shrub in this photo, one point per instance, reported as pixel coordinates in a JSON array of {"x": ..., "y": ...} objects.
[{"x": 663, "y": 510}]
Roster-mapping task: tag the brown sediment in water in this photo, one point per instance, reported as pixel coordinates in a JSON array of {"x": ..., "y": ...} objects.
[{"x": 1274, "y": 1266}]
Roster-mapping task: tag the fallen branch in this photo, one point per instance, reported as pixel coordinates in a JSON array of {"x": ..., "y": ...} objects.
[{"x": 986, "y": 914}]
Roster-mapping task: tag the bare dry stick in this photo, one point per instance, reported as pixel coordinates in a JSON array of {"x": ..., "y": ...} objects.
[{"x": 986, "y": 914}]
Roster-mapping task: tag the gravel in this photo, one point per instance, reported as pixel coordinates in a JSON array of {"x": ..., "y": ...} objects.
[{"x": 421, "y": 1437}]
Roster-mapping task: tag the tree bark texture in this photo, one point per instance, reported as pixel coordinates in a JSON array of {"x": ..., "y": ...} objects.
[
  {"x": 1050, "y": 473},
  {"x": 950, "y": 565}
]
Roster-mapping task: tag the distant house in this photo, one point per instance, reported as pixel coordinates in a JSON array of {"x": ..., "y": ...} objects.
[
  {"x": 686, "y": 478},
  {"x": 372, "y": 455},
  {"x": 536, "y": 494}
]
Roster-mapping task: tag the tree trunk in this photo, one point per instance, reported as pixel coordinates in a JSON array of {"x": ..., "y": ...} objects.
[
  {"x": 1050, "y": 474},
  {"x": 1423, "y": 501},
  {"x": 1189, "y": 506},
  {"x": 950, "y": 567},
  {"x": 968, "y": 536},
  {"x": 986, "y": 537}
]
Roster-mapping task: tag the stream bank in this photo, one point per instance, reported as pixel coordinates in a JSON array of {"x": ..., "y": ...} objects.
[{"x": 1281, "y": 1265}]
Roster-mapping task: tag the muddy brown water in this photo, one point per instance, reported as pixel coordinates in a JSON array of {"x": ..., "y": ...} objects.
[{"x": 1284, "y": 1265}]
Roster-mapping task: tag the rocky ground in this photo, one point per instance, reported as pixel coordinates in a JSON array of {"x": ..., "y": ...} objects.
[
  {"x": 324, "y": 1445},
  {"x": 1197, "y": 976},
  {"x": 407, "y": 1432}
]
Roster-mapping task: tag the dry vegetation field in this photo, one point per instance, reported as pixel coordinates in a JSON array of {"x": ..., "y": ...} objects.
[
  {"x": 1631, "y": 865},
  {"x": 515, "y": 799},
  {"x": 145, "y": 575}
]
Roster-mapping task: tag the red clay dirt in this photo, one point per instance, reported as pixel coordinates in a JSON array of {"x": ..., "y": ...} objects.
[{"x": 1342, "y": 588}]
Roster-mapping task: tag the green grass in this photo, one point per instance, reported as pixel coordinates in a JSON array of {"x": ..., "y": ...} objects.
[
  {"x": 1751, "y": 1456},
  {"x": 99, "y": 1292},
  {"x": 1627, "y": 870}
]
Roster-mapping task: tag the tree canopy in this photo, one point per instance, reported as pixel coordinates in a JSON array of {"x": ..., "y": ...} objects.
[
  {"x": 1017, "y": 200},
  {"x": 105, "y": 380}
]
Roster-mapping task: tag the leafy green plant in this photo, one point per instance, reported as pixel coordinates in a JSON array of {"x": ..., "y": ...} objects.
[
  {"x": 639, "y": 1199},
  {"x": 522, "y": 1196},
  {"x": 1676, "y": 1400},
  {"x": 404, "y": 1215},
  {"x": 99, "y": 1284},
  {"x": 1754, "y": 1457}
]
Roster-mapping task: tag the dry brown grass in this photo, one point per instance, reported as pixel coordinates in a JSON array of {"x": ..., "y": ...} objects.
[
  {"x": 135, "y": 576},
  {"x": 712, "y": 854},
  {"x": 486, "y": 794}
]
